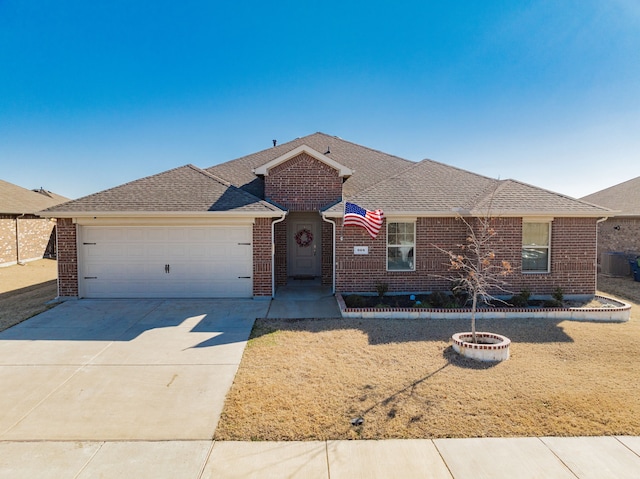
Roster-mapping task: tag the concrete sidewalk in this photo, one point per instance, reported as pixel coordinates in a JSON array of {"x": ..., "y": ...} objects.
[
  {"x": 303, "y": 299},
  {"x": 491, "y": 458}
]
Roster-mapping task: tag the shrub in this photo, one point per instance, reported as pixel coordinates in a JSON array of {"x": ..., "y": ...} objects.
[
  {"x": 558, "y": 294},
  {"x": 518, "y": 301},
  {"x": 439, "y": 299},
  {"x": 552, "y": 303},
  {"x": 382, "y": 288},
  {"x": 525, "y": 294},
  {"x": 458, "y": 293},
  {"x": 355, "y": 301}
]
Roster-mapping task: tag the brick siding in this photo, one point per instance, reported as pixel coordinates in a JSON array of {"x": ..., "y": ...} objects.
[
  {"x": 262, "y": 257},
  {"x": 619, "y": 235},
  {"x": 67, "y": 258},
  {"x": 8, "y": 240},
  {"x": 572, "y": 257},
  {"x": 303, "y": 184},
  {"x": 327, "y": 253},
  {"x": 281, "y": 252},
  {"x": 34, "y": 234}
]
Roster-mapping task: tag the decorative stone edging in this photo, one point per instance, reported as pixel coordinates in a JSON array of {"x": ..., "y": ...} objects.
[
  {"x": 491, "y": 346},
  {"x": 620, "y": 312}
]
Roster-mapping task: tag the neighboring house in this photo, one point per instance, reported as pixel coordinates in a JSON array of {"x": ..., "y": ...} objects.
[
  {"x": 621, "y": 233},
  {"x": 244, "y": 227},
  {"x": 25, "y": 236}
]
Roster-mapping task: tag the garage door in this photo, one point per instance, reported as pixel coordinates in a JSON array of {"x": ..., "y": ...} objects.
[{"x": 171, "y": 262}]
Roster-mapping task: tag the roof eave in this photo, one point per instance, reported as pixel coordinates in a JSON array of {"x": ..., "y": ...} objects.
[
  {"x": 495, "y": 213},
  {"x": 31, "y": 212},
  {"x": 158, "y": 214},
  {"x": 343, "y": 171},
  {"x": 624, "y": 215}
]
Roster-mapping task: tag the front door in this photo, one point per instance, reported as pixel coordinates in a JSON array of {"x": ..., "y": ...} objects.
[{"x": 304, "y": 244}]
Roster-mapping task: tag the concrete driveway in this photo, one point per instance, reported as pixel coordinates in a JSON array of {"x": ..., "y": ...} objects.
[{"x": 122, "y": 370}]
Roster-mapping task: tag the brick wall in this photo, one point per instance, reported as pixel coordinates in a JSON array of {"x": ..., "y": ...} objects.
[
  {"x": 7, "y": 239},
  {"x": 620, "y": 235},
  {"x": 573, "y": 259},
  {"x": 303, "y": 184},
  {"x": 327, "y": 253},
  {"x": 34, "y": 234},
  {"x": 281, "y": 252},
  {"x": 573, "y": 254},
  {"x": 262, "y": 257},
  {"x": 67, "y": 258}
]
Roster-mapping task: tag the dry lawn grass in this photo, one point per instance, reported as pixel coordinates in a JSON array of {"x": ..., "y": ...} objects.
[
  {"x": 303, "y": 380},
  {"x": 25, "y": 290}
]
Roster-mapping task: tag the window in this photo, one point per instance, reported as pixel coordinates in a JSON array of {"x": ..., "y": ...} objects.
[
  {"x": 401, "y": 241},
  {"x": 535, "y": 247}
]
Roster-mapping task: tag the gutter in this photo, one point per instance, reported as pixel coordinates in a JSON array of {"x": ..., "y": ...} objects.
[
  {"x": 273, "y": 253},
  {"x": 495, "y": 213},
  {"x": 151, "y": 214},
  {"x": 333, "y": 262}
]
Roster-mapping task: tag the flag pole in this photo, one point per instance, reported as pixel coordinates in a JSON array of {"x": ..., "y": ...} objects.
[{"x": 344, "y": 211}]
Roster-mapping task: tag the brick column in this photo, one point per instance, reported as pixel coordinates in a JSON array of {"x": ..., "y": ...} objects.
[
  {"x": 67, "y": 258},
  {"x": 262, "y": 257}
]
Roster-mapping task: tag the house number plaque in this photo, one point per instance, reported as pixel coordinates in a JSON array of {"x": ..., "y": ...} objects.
[{"x": 360, "y": 250}]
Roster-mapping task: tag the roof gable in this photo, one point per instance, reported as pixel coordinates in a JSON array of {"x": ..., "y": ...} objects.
[
  {"x": 368, "y": 166},
  {"x": 343, "y": 171}
]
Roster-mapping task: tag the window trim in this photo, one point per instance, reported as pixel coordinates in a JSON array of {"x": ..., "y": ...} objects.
[
  {"x": 411, "y": 221},
  {"x": 549, "y": 223}
]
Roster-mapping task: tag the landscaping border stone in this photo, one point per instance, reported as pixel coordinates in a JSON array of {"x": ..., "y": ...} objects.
[{"x": 619, "y": 311}]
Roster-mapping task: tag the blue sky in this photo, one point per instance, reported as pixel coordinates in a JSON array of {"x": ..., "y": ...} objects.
[{"x": 97, "y": 93}]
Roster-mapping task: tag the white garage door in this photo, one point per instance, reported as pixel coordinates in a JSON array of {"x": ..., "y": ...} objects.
[{"x": 162, "y": 261}]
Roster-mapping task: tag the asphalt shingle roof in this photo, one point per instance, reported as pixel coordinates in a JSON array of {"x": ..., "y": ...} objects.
[
  {"x": 515, "y": 197},
  {"x": 435, "y": 188},
  {"x": 17, "y": 200},
  {"x": 623, "y": 197},
  {"x": 183, "y": 189},
  {"x": 379, "y": 180},
  {"x": 370, "y": 166}
]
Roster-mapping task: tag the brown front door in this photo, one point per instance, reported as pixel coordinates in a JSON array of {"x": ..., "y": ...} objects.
[{"x": 304, "y": 244}]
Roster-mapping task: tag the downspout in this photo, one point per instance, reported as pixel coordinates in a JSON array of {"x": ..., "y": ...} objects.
[
  {"x": 273, "y": 253},
  {"x": 597, "y": 222},
  {"x": 333, "y": 273}
]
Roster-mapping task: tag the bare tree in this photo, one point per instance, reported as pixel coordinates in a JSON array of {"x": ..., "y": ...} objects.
[{"x": 477, "y": 272}]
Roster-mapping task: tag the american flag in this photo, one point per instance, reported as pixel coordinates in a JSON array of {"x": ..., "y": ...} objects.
[{"x": 354, "y": 215}]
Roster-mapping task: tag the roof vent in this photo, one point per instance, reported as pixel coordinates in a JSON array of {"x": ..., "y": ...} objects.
[
  {"x": 274, "y": 143},
  {"x": 328, "y": 150},
  {"x": 42, "y": 191}
]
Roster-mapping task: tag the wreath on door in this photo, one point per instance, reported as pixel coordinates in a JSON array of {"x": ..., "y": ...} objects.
[{"x": 304, "y": 237}]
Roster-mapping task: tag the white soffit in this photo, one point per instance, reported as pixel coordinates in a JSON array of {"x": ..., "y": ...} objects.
[{"x": 343, "y": 171}]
